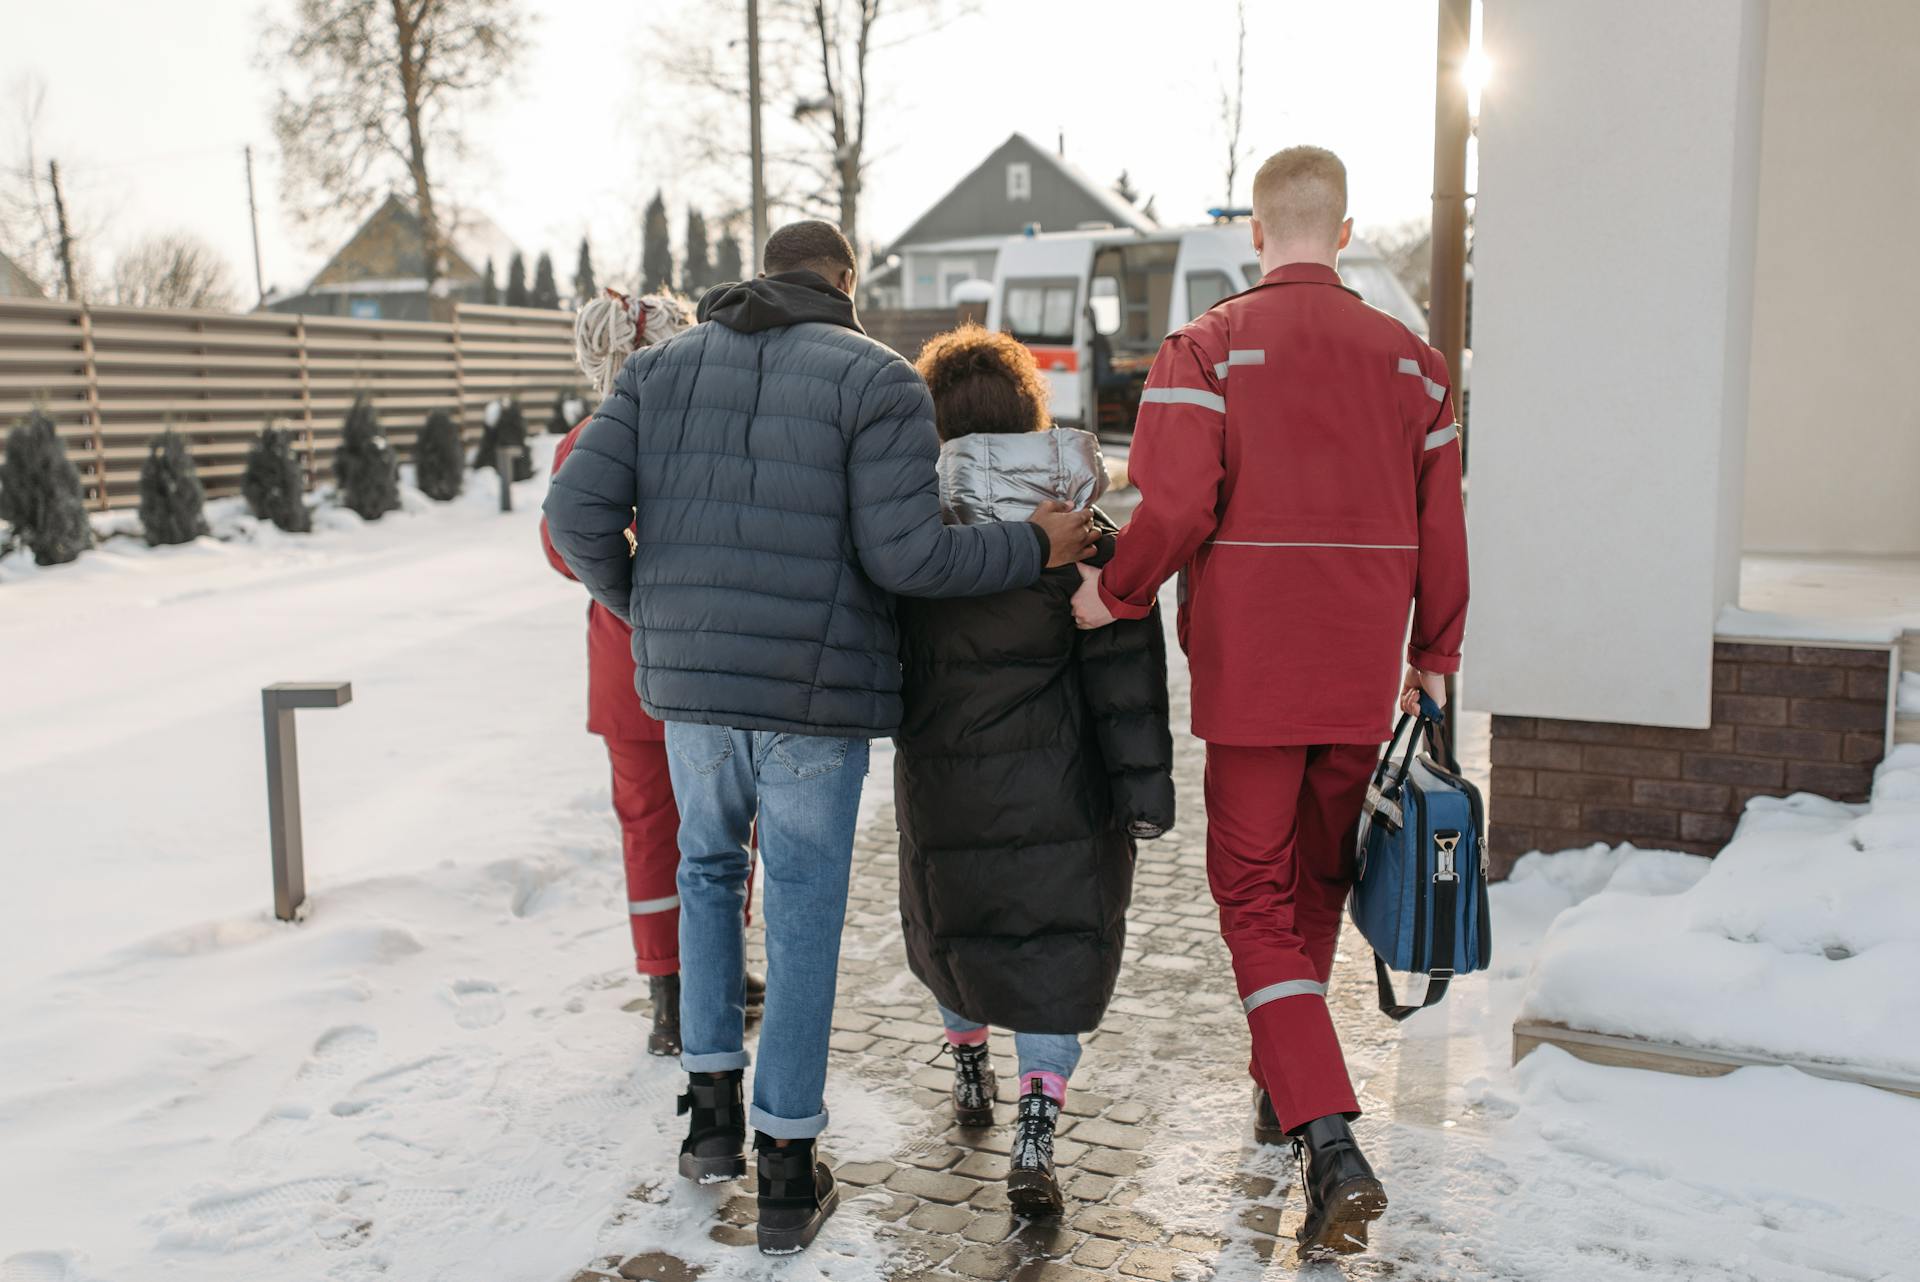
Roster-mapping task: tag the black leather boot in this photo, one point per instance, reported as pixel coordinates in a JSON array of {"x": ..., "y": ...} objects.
[
  {"x": 973, "y": 1084},
  {"x": 756, "y": 993},
  {"x": 1032, "y": 1190},
  {"x": 1343, "y": 1197},
  {"x": 665, "y": 1037},
  {"x": 715, "y": 1147},
  {"x": 1266, "y": 1123},
  {"x": 797, "y": 1194}
]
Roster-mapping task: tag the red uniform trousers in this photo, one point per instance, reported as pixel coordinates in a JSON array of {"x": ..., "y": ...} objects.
[
  {"x": 650, "y": 846},
  {"x": 1280, "y": 860}
]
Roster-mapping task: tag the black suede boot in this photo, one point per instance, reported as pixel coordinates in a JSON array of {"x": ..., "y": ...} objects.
[
  {"x": 1032, "y": 1190},
  {"x": 1266, "y": 1124},
  {"x": 665, "y": 1037},
  {"x": 715, "y": 1147},
  {"x": 797, "y": 1194},
  {"x": 973, "y": 1084},
  {"x": 1343, "y": 1197}
]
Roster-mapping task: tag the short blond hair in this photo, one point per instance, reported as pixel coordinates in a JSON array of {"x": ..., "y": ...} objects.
[{"x": 1301, "y": 194}]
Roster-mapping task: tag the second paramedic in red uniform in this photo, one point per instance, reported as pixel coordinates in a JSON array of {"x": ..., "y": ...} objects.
[{"x": 1298, "y": 463}]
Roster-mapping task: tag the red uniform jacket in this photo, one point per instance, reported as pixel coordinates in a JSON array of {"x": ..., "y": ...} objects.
[
  {"x": 1296, "y": 454},
  {"x": 613, "y": 704}
]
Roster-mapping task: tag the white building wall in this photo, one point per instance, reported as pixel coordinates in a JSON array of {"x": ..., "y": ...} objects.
[
  {"x": 1612, "y": 273},
  {"x": 1833, "y": 455}
]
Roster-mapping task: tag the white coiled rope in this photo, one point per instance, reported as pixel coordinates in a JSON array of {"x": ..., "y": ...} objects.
[{"x": 607, "y": 329}]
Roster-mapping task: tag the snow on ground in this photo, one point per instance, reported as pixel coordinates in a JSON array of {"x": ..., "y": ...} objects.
[
  {"x": 434, "y": 1076},
  {"x": 1800, "y": 942}
]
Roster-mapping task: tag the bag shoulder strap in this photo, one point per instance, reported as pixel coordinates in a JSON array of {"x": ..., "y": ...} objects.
[{"x": 1390, "y": 1004}]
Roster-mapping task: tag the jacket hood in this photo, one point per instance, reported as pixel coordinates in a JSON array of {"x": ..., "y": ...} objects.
[
  {"x": 772, "y": 301},
  {"x": 1003, "y": 476}
]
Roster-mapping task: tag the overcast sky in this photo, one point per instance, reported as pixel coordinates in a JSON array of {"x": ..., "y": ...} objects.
[{"x": 148, "y": 106}]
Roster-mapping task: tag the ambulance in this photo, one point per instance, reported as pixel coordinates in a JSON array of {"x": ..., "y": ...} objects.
[{"x": 1094, "y": 305}]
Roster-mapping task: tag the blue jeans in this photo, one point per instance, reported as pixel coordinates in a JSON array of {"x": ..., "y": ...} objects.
[
  {"x": 1035, "y": 1052},
  {"x": 805, "y": 792}
]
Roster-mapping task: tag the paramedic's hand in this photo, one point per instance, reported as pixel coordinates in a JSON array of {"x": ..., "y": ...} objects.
[
  {"x": 1432, "y": 682},
  {"x": 1089, "y": 611},
  {"x": 1070, "y": 534}
]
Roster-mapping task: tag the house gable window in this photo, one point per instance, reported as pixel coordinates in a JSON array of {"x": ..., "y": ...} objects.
[{"x": 1020, "y": 181}]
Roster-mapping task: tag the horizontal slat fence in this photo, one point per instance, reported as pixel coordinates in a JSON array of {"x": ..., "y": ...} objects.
[{"x": 113, "y": 377}]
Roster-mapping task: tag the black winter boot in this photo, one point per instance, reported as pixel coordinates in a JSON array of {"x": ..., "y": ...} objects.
[
  {"x": 797, "y": 1194},
  {"x": 756, "y": 994},
  {"x": 665, "y": 1037},
  {"x": 714, "y": 1149},
  {"x": 1343, "y": 1197},
  {"x": 973, "y": 1084},
  {"x": 1266, "y": 1123},
  {"x": 1032, "y": 1190}
]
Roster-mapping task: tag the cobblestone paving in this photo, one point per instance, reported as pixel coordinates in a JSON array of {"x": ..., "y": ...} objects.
[{"x": 1155, "y": 1151}]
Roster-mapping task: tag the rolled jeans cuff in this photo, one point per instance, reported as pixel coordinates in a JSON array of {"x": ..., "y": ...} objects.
[
  {"x": 786, "y": 1128},
  {"x": 717, "y": 1062}
]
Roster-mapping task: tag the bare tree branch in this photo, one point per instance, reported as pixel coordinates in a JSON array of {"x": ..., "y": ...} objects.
[{"x": 173, "y": 270}]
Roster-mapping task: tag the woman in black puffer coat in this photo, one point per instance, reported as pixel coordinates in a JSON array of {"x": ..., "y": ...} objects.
[{"x": 1031, "y": 757}]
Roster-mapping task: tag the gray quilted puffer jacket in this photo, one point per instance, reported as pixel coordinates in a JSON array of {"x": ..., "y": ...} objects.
[{"x": 777, "y": 467}]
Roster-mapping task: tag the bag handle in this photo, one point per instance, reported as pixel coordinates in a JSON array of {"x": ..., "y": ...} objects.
[
  {"x": 1390, "y": 1004},
  {"x": 1431, "y": 718}
]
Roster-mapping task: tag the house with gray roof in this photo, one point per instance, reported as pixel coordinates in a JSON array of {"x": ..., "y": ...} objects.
[{"x": 15, "y": 283}]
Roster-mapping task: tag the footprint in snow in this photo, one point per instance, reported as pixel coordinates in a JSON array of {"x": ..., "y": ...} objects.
[{"x": 476, "y": 1003}]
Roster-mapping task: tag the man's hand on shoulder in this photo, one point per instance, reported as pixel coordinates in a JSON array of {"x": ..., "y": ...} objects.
[
  {"x": 1089, "y": 611},
  {"x": 1070, "y": 534}
]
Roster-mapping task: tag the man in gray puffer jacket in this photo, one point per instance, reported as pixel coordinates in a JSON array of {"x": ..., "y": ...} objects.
[{"x": 777, "y": 470}]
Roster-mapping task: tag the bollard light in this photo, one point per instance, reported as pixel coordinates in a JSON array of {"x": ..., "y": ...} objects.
[
  {"x": 277, "y": 705},
  {"x": 504, "y": 457}
]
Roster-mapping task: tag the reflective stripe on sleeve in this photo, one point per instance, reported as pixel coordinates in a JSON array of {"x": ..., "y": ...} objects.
[
  {"x": 1184, "y": 396},
  {"x": 1436, "y": 439},
  {"x": 1368, "y": 547},
  {"x": 1410, "y": 366},
  {"x": 1243, "y": 356},
  {"x": 1286, "y": 988},
  {"x": 642, "y": 907}
]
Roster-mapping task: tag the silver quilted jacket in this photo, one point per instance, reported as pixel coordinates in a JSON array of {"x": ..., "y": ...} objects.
[{"x": 1003, "y": 476}]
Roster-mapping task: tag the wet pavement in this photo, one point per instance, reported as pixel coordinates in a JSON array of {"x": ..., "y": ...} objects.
[{"x": 1155, "y": 1151}]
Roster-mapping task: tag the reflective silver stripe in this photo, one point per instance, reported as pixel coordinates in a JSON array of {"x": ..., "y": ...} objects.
[
  {"x": 1410, "y": 366},
  {"x": 641, "y": 907},
  {"x": 1244, "y": 356},
  {"x": 1436, "y": 439},
  {"x": 1285, "y": 988},
  {"x": 1184, "y": 396},
  {"x": 1371, "y": 547}
]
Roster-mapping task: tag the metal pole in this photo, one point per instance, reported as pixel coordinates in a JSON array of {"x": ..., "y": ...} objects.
[
  {"x": 1447, "y": 308},
  {"x": 504, "y": 457},
  {"x": 66, "y": 235},
  {"x": 277, "y": 704},
  {"x": 253, "y": 216},
  {"x": 753, "y": 133}
]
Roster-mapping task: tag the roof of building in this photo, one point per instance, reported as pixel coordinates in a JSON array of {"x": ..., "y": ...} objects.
[
  {"x": 390, "y": 247},
  {"x": 1102, "y": 203},
  {"x": 15, "y": 283}
]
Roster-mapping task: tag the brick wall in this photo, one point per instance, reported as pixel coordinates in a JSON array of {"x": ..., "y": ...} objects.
[{"x": 1786, "y": 718}]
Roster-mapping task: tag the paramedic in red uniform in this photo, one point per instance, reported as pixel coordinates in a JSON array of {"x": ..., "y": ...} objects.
[{"x": 1298, "y": 463}]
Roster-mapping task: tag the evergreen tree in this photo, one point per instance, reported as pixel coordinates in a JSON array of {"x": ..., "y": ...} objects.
[
  {"x": 365, "y": 465},
  {"x": 509, "y": 427},
  {"x": 545, "y": 292},
  {"x": 171, "y": 501},
  {"x": 584, "y": 287},
  {"x": 40, "y": 493},
  {"x": 489, "y": 291},
  {"x": 697, "y": 275},
  {"x": 656, "y": 251},
  {"x": 726, "y": 258},
  {"x": 516, "y": 281},
  {"x": 439, "y": 460},
  {"x": 273, "y": 484}
]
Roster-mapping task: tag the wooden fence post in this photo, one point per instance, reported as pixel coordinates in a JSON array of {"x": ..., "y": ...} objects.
[
  {"x": 306, "y": 397},
  {"x": 459, "y": 379},
  {"x": 93, "y": 406}
]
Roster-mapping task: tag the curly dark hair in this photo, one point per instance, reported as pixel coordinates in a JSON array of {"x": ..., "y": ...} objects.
[{"x": 983, "y": 381}]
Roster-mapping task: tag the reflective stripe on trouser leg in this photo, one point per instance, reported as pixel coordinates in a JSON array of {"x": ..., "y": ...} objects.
[
  {"x": 1285, "y": 988},
  {"x": 645, "y": 907},
  {"x": 650, "y": 847}
]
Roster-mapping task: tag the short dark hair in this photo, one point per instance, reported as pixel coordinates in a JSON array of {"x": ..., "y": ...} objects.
[
  {"x": 982, "y": 381},
  {"x": 810, "y": 245}
]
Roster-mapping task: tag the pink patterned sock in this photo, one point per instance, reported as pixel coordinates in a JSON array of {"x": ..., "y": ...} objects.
[
  {"x": 1054, "y": 1086},
  {"x": 973, "y": 1037}
]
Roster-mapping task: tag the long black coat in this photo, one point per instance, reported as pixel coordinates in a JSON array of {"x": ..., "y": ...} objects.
[{"x": 1027, "y": 750}]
